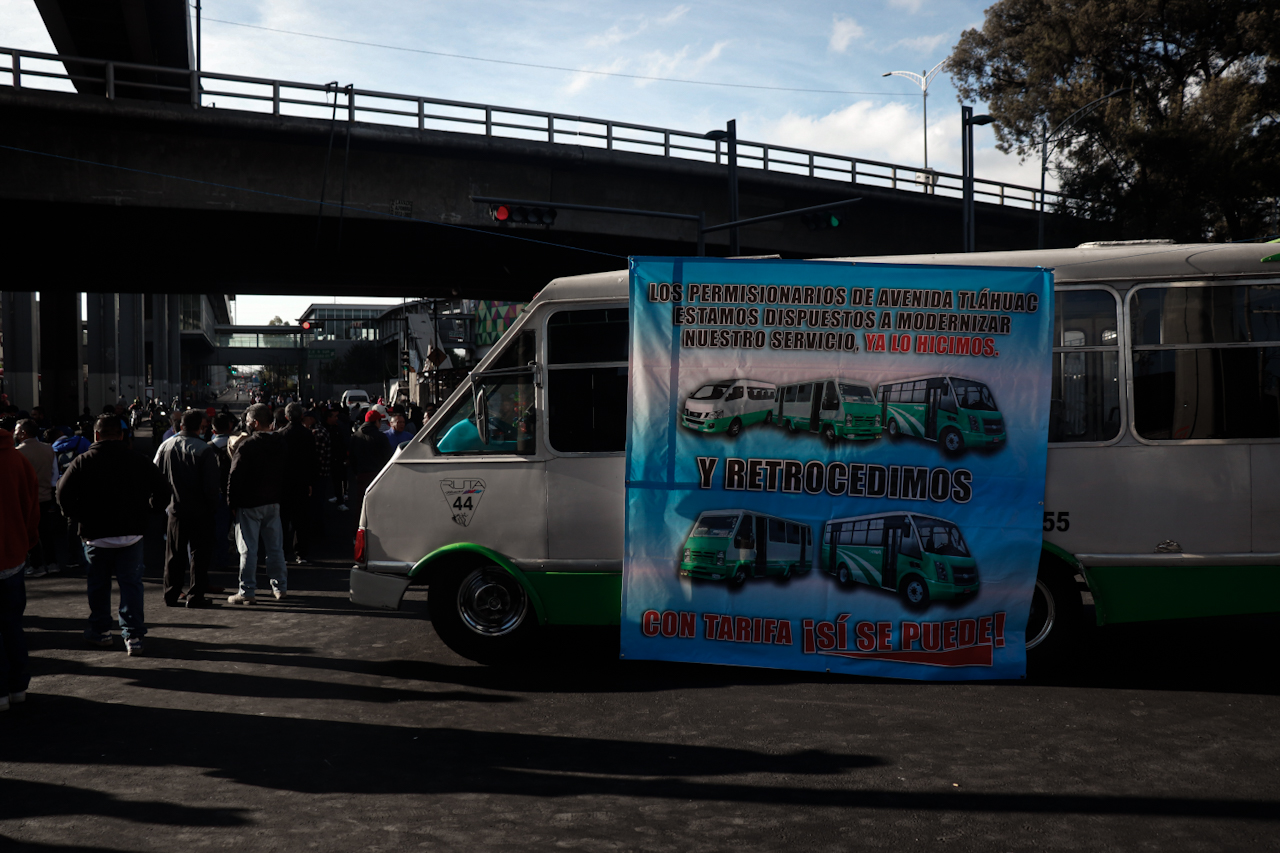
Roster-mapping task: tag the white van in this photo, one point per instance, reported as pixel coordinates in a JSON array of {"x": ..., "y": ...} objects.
[
  {"x": 736, "y": 544},
  {"x": 355, "y": 395},
  {"x": 510, "y": 502},
  {"x": 729, "y": 405}
]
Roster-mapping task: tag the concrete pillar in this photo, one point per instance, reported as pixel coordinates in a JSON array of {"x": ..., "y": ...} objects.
[
  {"x": 176, "y": 385},
  {"x": 160, "y": 346},
  {"x": 21, "y": 340},
  {"x": 102, "y": 354},
  {"x": 131, "y": 347},
  {"x": 61, "y": 361}
]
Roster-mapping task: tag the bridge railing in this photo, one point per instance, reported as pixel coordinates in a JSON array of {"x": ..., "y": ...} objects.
[{"x": 35, "y": 70}]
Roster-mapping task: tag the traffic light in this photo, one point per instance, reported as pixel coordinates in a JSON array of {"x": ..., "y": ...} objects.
[
  {"x": 405, "y": 364},
  {"x": 505, "y": 214},
  {"x": 234, "y": 371},
  {"x": 313, "y": 325},
  {"x": 822, "y": 219}
]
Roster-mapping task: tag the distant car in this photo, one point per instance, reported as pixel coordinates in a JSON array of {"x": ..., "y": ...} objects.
[{"x": 355, "y": 395}]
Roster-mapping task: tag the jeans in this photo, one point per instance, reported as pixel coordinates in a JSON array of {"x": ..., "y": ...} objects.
[
  {"x": 221, "y": 527},
  {"x": 264, "y": 521},
  {"x": 126, "y": 564},
  {"x": 188, "y": 544},
  {"x": 14, "y": 675}
]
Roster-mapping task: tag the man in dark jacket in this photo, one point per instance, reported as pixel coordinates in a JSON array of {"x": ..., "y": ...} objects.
[
  {"x": 253, "y": 493},
  {"x": 299, "y": 479},
  {"x": 369, "y": 451},
  {"x": 19, "y": 532},
  {"x": 109, "y": 491},
  {"x": 191, "y": 467}
]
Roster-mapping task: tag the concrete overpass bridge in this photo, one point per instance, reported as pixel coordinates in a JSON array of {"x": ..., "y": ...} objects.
[{"x": 160, "y": 178}]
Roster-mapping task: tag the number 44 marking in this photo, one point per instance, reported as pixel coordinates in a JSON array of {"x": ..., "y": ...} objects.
[
  {"x": 1060, "y": 522},
  {"x": 460, "y": 505}
]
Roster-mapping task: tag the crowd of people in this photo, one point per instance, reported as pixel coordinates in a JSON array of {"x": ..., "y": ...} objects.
[{"x": 84, "y": 496}]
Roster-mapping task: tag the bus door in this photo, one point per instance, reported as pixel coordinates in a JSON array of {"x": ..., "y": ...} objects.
[
  {"x": 895, "y": 529},
  {"x": 815, "y": 408},
  {"x": 762, "y": 545},
  {"x": 932, "y": 397}
]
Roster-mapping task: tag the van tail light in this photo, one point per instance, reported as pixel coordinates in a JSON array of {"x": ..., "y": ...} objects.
[{"x": 360, "y": 545}]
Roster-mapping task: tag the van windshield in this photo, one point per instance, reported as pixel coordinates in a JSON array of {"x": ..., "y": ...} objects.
[
  {"x": 711, "y": 392},
  {"x": 973, "y": 395},
  {"x": 715, "y": 525},
  {"x": 941, "y": 537},
  {"x": 856, "y": 393}
]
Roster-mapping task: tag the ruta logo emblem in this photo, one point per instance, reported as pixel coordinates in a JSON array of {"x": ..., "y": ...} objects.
[{"x": 462, "y": 496}]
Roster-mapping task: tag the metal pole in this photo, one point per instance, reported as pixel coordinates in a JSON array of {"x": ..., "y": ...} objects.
[
  {"x": 702, "y": 240},
  {"x": 966, "y": 113},
  {"x": 1044, "y": 156},
  {"x": 924, "y": 92},
  {"x": 199, "y": 66},
  {"x": 733, "y": 186}
]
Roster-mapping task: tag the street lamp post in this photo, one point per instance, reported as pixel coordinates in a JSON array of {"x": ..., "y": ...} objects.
[
  {"x": 730, "y": 136},
  {"x": 923, "y": 79},
  {"x": 967, "y": 122},
  {"x": 1057, "y": 135}
]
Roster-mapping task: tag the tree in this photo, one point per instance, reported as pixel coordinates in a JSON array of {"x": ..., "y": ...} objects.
[
  {"x": 1192, "y": 152},
  {"x": 275, "y": 321}
]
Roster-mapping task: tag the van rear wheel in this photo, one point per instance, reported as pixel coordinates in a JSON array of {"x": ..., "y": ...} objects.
[
  {"x": 843, "y": 575},
  {"x": 952, "y": 441},
  {"x": 895, "y": 432},
  {"x": 481, "y": 612}
]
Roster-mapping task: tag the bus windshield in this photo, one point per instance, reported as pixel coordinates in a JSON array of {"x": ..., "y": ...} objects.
[
  {"x": 973, "y": 395},
  {"x": 856, "y": 393},
  {"x": 715, "y": 525},
  {"x": 710, "y": 392},
  {"x": 941, "y": 537}
]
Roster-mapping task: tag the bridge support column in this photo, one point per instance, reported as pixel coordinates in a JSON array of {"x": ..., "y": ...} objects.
[
  {"x": 61, "y": 363},
  {"x": 176, "y": 385},
  {"x": 103, "y": 327},
  {"x": 21, "y": 352},
  {"x": 131, "y": 351},
  {"x": 159, "y": 335}
]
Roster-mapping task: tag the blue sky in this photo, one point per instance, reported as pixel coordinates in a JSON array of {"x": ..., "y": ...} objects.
[{"x": 842, "y": 48}]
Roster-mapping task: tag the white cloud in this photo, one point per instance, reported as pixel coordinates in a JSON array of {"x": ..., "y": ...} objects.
[
  {"x": 911, "y": 6},
  {"x": 923, "y": 44},
  {"x": 620, "y": 32},
  {"x": 671, "y": 17},
  {"x": 584, "y": 78},
  {"x": 843, "y": 31}
]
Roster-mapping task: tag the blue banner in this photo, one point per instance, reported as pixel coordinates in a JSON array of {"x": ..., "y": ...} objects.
[{"x": 835, "y": 466}]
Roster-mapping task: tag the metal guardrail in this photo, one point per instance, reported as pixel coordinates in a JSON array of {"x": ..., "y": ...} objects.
[{"x": 34, "y": 70}]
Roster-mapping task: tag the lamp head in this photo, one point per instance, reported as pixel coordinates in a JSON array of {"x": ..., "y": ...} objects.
[
  {"x": 717, "y": 135},
  {"x": 983, "y": 119}
]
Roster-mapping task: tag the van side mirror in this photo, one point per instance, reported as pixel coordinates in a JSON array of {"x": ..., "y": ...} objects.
[
  {"x": 746, "y": 543},
  {"x": 481, "y": 410}
]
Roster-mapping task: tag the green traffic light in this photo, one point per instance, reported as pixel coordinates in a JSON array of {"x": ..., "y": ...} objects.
[{"x": 835, "y": 221}]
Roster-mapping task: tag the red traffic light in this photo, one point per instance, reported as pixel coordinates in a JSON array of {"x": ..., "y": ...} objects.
[
  {"x": 501, "y": 212},
  {"x": 306, "y": 325}
]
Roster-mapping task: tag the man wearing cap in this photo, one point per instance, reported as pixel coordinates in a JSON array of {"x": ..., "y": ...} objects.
[{"x": 368, "y": 451}]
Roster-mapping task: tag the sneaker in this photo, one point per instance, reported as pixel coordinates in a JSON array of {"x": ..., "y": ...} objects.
[
  {"x": 18, "y": 698},
  {"x": 133, "y": 645},
  {"x": 34, "y": 572},
  {"x": 100, "y": 640},
  {"x": 241, "y": 598},
  {"x": 299, "y": 560},
  {"x": 342, "y": 507},
  {"x": 279, "y": 594},
  {"x": 333, "y": 500},
  {"x": 198, "y": 602},
  {"x": 52, "y": 569}
]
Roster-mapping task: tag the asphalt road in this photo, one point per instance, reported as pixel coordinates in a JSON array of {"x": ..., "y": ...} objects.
[{"x": 311, "y": 724}]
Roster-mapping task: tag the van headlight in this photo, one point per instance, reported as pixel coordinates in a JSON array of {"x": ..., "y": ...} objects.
[
  {"x": 718, "y": 413},
  {"x": 720, "y": 558},
  {"x": 877, "y": 420},
  {"x": 940, "y": 569},
  {"x": 848, "y": 420},
  {"x": 973, "y": 423},
  {"x": 688, "y": 556}
]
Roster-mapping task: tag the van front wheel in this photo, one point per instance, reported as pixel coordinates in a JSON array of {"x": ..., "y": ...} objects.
[
  {"x": 735, "y": 427},
  {"x": 952, "y": 441},
  {"x": 830, "y": 434},
  {"x": 482, "y": 613},
  {"x": 895, "y": 432}
]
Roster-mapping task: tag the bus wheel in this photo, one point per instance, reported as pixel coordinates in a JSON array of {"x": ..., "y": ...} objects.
[
  {"x": 952, "y": 441},
  {"x": 830, "y": 433},
  {"x": 842, "y": 575},
  {"x": 915, "y": 593},
  {"x": 739, "y": 576},
  {"x": 482, "y": 613},
  {"x": 895, "y": 432},
  {"x": 786, "y": 573},
  {"x": 791, "y": 424},
  {"x": 1056, "y": 611},
  {"x": 768, "y": 417},
  {"x": 735, "y": 427}
]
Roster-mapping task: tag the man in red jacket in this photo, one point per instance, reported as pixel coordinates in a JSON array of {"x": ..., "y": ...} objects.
[{"x": 19, "y": 532}]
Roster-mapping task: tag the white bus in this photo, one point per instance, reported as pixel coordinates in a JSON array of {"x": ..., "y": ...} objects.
[
  {"x": 736, "y": 544},
  {"x": 1163, "y": 488}
]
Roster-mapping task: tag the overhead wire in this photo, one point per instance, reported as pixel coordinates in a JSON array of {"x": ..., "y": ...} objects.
[
  {"x": 518, "y": 64},
  {"x": 304, "y": 200}
]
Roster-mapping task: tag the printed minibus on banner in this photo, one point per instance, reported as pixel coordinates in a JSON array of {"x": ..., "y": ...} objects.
[
  {"x": 957, "y": 413},
  {"x": 921, "y": 558},
  {"x": 734, "y": 544},
  {"x": 836, "y": 408}
]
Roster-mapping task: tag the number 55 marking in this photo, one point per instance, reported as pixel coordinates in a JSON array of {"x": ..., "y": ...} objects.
[{"x": 1060, "y": 522}]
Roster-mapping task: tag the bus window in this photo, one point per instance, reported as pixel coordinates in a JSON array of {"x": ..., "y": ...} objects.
[
  {"x": 858, "y": 536},
  {"x": 895, "y": 394},
  {"x": 777, "y": 531},
  {"x": 941, "y": 537},
  {"x": 948, "y": 401},
  {"x": 587, "y": 406},
  {"x": 829, "y": 398},
  {"x": 875, "y": 532},
  {"x": 790, "y": 394},
  {"x": 760, "y": 393},
  {"x": 856, "y": 393},
  {"x": 735, "y": 393},
  {"x": 1085, "y": 401},
  {"x": 919, "y": 391},
  {"x": 512, "y": 420},
  {"x": 804, "y": 393},
  {"x": 715, "y": 525},
  {"x": 1206, "y": 362},
  {"x": 793, "y": 534},
  {"x": 746, "y": 529},
  {"x": 973, "y": 395},
  {"x": 910, "y": 544}
]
